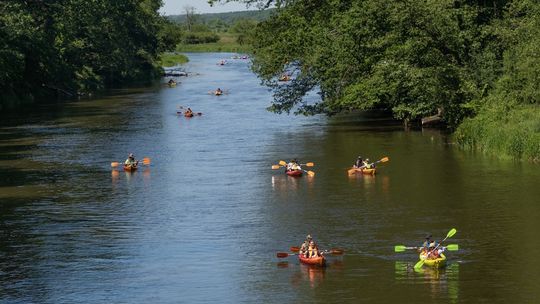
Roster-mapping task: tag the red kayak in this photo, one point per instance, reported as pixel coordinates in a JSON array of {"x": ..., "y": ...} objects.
[
  {"x": 320, "y": 260},
  {"x": 294, "y": 173}
]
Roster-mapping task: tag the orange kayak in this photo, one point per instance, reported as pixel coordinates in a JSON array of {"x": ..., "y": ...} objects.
[
  {"x": 320, "y": 260},
  {"x": 188, "y": 114},
  {"x": 130, "y": 168},
  {"x": 366, "y": 171}
]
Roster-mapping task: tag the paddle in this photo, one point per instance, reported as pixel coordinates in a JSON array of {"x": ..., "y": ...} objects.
[
  {"x": 285, "y": 254},
  {"x": 448, "y": 235},
  {"x": 145, "y": 161},
  {"x": 194, "y": 114},
  {"x": 401, "y": 248},
  {"x": 382, "y": 160},
  {"x": 180, "y": 112},
  {"x": 310, "y": 173},
  {"x": 335, "y": 251}
]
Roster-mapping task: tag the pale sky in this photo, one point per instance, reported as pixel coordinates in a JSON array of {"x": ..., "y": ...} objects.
[{"x": 176, "y": 7}]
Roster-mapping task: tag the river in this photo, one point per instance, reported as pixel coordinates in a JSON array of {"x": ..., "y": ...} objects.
[{"x": 203, "y": 222}]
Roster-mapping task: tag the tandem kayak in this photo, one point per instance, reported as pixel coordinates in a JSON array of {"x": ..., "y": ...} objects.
[
  {"x": 320, "y": 260},
  {"x": 130, "y": 168},
  {"x": 294, "y": 173},
  {"x": 365, "y": 171},
  {"x": 437, "y": 263}
]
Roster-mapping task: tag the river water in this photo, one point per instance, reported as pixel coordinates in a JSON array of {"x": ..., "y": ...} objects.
[{"x": 203, "y": 223}]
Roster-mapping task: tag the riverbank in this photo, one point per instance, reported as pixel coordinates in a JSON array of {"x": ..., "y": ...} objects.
[
  {"x": 227, "y": 43},
  {"x": 504, "y": 132},
  {"x": 172, "y": 59}
]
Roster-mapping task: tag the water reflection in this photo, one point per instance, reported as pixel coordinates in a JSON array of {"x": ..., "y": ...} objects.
[
  {"x": 441, "y": 281},
  {"x": 309, "y": 273}
]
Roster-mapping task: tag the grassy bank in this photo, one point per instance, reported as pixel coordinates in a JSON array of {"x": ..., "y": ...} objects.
[
  {"x": 507, "y": 132},
  {"x": 171, "y": 59},
  {"x": 226, "y": 43}
]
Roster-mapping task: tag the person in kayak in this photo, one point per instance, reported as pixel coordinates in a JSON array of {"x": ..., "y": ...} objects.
[
  {"x": 313, "y": 250},
  {"x": 130, "y": 161},
  {"x": 426, "y": 243},
  {"x": 293, "y": 165},
  {"x": 359, "y": 162},
  {"x": 305, "y": 245},
  {"x": 218, "y": 91},
  {"x": 171, "y": 81},
  {"x": 367, "y": 165},
  {"x": 188, "y": 112}
]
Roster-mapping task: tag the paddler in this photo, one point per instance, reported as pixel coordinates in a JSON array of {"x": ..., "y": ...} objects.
[
  {"x": 218, "y": 91},
  {"x": 359, "y": 162},
  {"x": 130, "y": 161},
  {"x": 367, "y": 165},
  {"x": 313, "y": 250},
  {"x": 432, "y": 253},
  {"x": 305, "y": 245},
  {"x": 293, "y": 165},
  {"x": 188, "y": 112}
]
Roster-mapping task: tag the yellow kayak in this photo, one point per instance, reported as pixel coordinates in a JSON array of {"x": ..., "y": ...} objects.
[{"x": 437, "y": 263}]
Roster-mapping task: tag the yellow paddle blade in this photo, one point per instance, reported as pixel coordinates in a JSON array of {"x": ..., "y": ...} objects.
[
  {"x": 384, "y": 159},
  {"x": 146, "y": 161},
  {"x": 310, "y": 173},
  {"x": 114, "y": 164},
  {"x": 282, "y": 162},
  {"x": 276, "y": 167},
  {"x": 310, "y": 164}
]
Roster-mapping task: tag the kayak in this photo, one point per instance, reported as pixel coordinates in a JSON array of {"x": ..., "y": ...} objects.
[
  {"x": 130, "y": 168},
  {"x": 172, "y": 84},
  {"x": 369, "y": 171},
  {"x": 320, "y": 261},
  {"x": 294, "y": 173},
  {"x": 437, "y": 263},
  {"x": 366, "y": 171},
  {"x": 218, "y": 93}
]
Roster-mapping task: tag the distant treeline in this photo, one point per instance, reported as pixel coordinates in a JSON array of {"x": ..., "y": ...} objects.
[
  {"x": 58, "y": 47},
  {"x": 195, "y": 28},
  {"x": 221, "y": 22},
  {"x": 475, "y": 62}
]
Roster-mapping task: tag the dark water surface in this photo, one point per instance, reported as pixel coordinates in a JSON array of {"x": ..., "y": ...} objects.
[{"x": 204, "y": 222}]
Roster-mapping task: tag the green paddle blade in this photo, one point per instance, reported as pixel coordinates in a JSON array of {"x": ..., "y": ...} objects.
[
  {"x": 419, "y": 264},
  {"x": 399, "y": 248},
  {"x": 452, "y": 247},
  {"x": 451, "y": 233}
]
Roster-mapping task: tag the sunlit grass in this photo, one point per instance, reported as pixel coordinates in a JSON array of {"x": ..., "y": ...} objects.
[
  {"x": 507, "y": 133},
  {"x": 172, "y": 59}
]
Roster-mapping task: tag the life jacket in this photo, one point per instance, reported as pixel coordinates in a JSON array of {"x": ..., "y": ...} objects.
[{"x": 313, "y": 251}]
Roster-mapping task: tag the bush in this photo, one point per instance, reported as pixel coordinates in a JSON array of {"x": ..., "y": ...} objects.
[{"x": 200, "y": 37}]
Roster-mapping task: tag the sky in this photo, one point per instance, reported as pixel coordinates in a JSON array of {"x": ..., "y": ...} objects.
[{"x": 176, "y": 7}]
